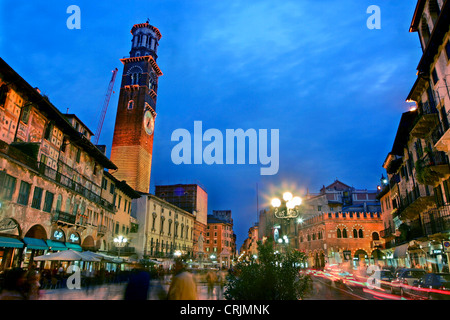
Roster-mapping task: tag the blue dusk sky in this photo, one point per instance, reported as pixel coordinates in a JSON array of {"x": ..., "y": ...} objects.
[{"x": 334, "y": 88}]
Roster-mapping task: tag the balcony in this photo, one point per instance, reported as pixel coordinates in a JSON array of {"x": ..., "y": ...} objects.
[
  {"x": 394, "y": 165},
  {"x": 64, "y": 218},
  {"x": 101, "y": 230},
  {"x": 67, "y": 182},
  {"x": 415, "y": 202},
  {"x": 432, "y": 168},
  {"x": 388, "y": 233},
  {"x": 426, "y": 120},
  {"x": 436, "y": 222},
  {"x": 412, "y": 230}
]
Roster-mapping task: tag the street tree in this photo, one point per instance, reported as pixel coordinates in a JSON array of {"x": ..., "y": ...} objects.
[{"x": 271, "y": 276}]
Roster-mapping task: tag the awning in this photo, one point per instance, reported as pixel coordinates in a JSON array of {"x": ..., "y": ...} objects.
[
  {"x": 56, "y": 245},
  {"x": 6, "y": 242},
  {"x": 73, "y": 246},
  {"x": 36, "y": 244},
  {"x": 400, "y": 251}
]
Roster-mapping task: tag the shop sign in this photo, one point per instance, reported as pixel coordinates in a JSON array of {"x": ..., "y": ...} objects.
[
  {"x": 74, "y": 238},
  {"x": 437, "y": 251},
  {"x": 58, "y": 235},
  {"x": 9, "y": 226},
  {"x": 446, "y": 246}
]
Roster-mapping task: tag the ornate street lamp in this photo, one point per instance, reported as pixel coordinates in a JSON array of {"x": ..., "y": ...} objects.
[
  {"x": 290, "y": 209},
  {"x": 120, "y": 242}
]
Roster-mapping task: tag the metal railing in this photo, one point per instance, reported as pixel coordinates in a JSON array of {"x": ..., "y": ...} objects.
[
  {"x": 435, "y": 158},
  {"x": 74, "y": 186},
  {"x": 388, "y": 232},
  {"x": 102, "y": 229},
  {"x": 437, "y": 220},
  {"x": 64, "y": 217}
]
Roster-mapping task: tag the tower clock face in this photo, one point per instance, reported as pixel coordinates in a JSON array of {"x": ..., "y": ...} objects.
[{"x": 149, "y": 122}]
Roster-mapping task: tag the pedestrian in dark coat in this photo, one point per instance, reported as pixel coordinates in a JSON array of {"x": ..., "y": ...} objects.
[{"x": 138, "y": 284}]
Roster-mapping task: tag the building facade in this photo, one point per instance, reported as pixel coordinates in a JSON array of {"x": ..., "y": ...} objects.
[
  {"x": 336, "y": 197},
  {"x": 50, "y": 178},
  {"x": 342, "y": 237},
  {"x": 417, "y": 230},
  {"x": 192, "y": 198},
  {"x": 219, "y": 238},
  {"x": 339, "y": 197},
  {"x": 165, "y": 230},
  {"x": 249, "y": 248}
]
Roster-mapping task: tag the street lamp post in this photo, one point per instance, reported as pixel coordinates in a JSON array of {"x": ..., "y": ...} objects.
[
  {"x": 287, "y": 209},
  {"x": 120, "y": 242},
  {"x": 290, "y": 209}
]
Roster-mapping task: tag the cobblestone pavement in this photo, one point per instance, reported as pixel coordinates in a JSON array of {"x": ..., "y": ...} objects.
[{"x": 116, "y": 292}]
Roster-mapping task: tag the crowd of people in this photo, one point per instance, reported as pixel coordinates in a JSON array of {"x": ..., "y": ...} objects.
[{"x": 178, "y": 283}]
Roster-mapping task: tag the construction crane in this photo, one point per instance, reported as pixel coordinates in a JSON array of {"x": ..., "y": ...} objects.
[{"x": 105, "y": 106}]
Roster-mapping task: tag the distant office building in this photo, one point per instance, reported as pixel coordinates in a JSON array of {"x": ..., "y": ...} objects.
[{"x": 224, "y": 215}]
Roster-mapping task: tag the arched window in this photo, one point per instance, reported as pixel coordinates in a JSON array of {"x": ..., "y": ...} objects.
[
  {"x": 162, "y": 225},
  {"x": 344, "y": 233},
  {"x": 134, "y": 76},
  {"x": 153, "y": 222},
  {"x": 360, "y": 233},
  {"x": 339, "y": 234},
  {"x": 375, "y": 236},
  {"x": 355, "y": 233},
  {"x": 130, "y": 104}
]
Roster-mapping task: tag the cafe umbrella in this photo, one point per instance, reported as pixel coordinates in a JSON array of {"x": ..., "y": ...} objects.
[
  {"x": 103, "y": 257},
  {"x": 67, "y": 255}
]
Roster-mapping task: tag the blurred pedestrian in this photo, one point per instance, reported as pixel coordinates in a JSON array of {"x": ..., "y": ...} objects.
[
  {"x": 138, "y": 284},
  {"x": 33, "y": 285},
  {"x": 89, "y": 280},
  {"x": 221, "y": 279},
  {"x": 61, "y": 270},
  {"x": 211, "y": 279},
  {"x": 183, "y": 286},
  {"x": 14, "y": 287}
]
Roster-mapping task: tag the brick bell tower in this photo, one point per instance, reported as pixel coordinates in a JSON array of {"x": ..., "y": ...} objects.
[{"x": 132, "y": 145}]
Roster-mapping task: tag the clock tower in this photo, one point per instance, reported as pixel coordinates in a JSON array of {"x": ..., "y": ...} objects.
[{"x": 132, "y": 145}]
